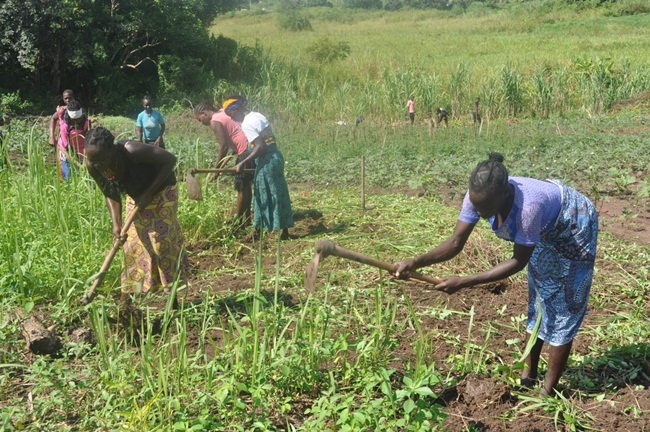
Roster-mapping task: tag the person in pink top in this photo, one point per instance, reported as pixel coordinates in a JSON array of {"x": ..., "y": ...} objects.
[
  {"x": 410, "y": 106},
  {"x": 57, "y": 120},
  {"x": 230, "y": 136},
  {"x": 72, "y": 141}
]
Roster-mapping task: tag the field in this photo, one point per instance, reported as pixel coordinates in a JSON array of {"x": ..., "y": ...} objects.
[
  {"x": 251, "y": 349},
  {"x": 526, "y": 60}
]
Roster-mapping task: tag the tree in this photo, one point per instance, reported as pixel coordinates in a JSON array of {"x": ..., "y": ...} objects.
[{"x": 109, "y": 51}]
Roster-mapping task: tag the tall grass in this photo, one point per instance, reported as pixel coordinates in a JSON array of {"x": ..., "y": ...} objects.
[{"x": 448, "y": 63}]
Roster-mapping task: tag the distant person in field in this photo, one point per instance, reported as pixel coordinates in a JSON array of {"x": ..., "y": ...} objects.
[
  {"x": 230, "y": 136},
  {"x": 410, "y": 108},
  {"x": 154, "y": 250},
  {"x": 476, "y": 116},
  {"x": 72, "y": 131},
  {"x": 57, "y": 121},
  {"x": 272, "y": 205},
  {"x": 554, "y": 230},
  {"x": 4, "y": 120},
  {"x": 442, "y": 116},
  {"x": 150, "y": 124}
]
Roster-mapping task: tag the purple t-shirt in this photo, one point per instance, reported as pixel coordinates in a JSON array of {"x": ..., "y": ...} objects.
[{"x": 534, "y": 211}]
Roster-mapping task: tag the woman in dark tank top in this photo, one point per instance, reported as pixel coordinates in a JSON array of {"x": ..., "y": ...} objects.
[{"x": 154, "y": 251}]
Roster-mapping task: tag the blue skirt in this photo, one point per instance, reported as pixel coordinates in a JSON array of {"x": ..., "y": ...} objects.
[
  {"x": 271, "y": 204},
  {"x": 561, "y": 269}
]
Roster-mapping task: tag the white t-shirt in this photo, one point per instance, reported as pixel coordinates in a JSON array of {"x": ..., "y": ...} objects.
[{"x": 253, "y": 125}]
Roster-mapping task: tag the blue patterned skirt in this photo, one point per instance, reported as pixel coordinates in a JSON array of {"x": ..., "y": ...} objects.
[{"x": 561, "y": 269}]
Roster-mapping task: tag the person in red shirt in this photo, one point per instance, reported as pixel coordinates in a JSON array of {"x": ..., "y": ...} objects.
[
  {"x": 410, "y": 106},
  {"x": 230, "y": 136}
]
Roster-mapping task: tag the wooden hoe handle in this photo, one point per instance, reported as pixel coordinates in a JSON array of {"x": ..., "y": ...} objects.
[
  {"x": 117, "y": 243},
  {"x": 219, "y": 170},
  {"x": 326, "y": 247}
]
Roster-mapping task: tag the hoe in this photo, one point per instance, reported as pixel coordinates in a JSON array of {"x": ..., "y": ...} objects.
[
  {"x": 193, "y": 182},
  {"x": 325, "y": 248},
  {"x": 117, "y": 243}
]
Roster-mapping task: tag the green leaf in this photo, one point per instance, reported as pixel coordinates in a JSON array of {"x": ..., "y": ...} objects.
[
  {"x": 424, "y": 391},
  {"x": 409, "y": 406}
]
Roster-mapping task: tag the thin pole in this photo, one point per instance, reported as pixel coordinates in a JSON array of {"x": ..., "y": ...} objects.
[{"x": 363, "y": 182}]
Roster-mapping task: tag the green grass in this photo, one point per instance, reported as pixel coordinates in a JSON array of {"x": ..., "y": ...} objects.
[
  {"x": 254, "y": 351},
  {"x": 434, "y": 43},
  {"x": 520, "y": 62},
  {"x": 268, "y": 356}
]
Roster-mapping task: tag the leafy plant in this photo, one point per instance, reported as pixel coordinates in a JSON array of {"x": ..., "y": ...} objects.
[
  {"x": 294, "y": 20},
  {"x": 326, "y": 50}
]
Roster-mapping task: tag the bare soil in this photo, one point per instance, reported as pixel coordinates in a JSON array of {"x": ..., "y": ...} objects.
[
  {"x": 483, "y": 401},
  {"x": 480, "y": 401}
]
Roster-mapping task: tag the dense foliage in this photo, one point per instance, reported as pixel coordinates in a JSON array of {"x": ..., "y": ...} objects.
[{"x": 110, "y": 51}]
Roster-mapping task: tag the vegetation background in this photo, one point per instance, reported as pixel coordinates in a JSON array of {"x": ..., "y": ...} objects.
[{"x": 564, "y": 93}]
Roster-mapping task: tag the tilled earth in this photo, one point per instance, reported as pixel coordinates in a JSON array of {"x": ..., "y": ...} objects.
[
  {"x": 477, "y": 400},
  {"x": 486, "y": 400}
]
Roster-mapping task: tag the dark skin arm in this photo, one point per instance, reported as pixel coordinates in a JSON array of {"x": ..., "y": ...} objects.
[
  {"x": 115, "y": 210},
  {"x": 114, "y": 206},
  {"x": 139, "y": 128},
  {"x": 520, "y": 257},
  {"x": 452, "y": 247},
  {"x": 220, "y": 135},
  {"x": 53, "y": 122},
  {"x": 162, "y": 131},
  {"x": 259, "y": 147}
]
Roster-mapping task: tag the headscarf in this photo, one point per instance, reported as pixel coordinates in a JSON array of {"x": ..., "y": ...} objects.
[{"x": 232, "y": 104}]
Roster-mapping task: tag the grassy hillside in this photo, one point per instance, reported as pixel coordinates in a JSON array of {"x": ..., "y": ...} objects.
[
  {"x": 521, "y": 61},
  {"x": 435, "y": 42}
]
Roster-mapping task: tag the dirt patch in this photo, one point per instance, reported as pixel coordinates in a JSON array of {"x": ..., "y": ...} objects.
[
  {"x": 628, "y": 219},
  {"x": 639, "y": 102}
]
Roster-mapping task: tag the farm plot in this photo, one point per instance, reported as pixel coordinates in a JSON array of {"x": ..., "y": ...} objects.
[{"x": 251, "y": 349}]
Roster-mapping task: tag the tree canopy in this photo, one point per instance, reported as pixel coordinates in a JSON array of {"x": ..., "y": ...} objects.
[{"x": 111, "y": 50}]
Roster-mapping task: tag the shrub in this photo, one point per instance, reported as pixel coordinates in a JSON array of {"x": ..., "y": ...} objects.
[
  {"x": 294, "y": 21},
  {"x": 362, "y": 4},
  {"x": 327, "y": 51},
  {"x": 12, "y": 103},
  {"x": 393, "y": 5}
]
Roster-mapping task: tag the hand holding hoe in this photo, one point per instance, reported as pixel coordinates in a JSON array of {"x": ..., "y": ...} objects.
[
  {"x": 117, "y": 243},
  {"x": 325, "y": 248},
  {"x": 193, "y": 182}
]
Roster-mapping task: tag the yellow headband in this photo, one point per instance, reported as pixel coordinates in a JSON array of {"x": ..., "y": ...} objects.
[
  {"x": 232, "y": 104},
  {"x": 227, "y": 103}
]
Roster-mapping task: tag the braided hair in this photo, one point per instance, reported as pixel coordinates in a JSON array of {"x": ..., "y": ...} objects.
[
  {"x": 489, "y": 176},
  {"x": 100, "y": 139},
  {"x": 203, "y": 106}
]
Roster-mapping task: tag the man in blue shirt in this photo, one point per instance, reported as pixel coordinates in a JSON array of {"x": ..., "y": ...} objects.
[{"x": 150, "y": 124}]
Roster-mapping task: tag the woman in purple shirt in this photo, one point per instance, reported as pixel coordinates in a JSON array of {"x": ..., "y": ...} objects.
[{"x": 554, "y": 229}]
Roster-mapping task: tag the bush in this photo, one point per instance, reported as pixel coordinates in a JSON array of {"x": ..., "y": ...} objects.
[
  {"x": 628, "y": 7},
  {"x": 327, "y": 51},
  {"x": 362, "y": 4},
  {"x": 12, "y": 103},
  {"x": 393, "y": 5},
  {"x": 293, "y": 20}
]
